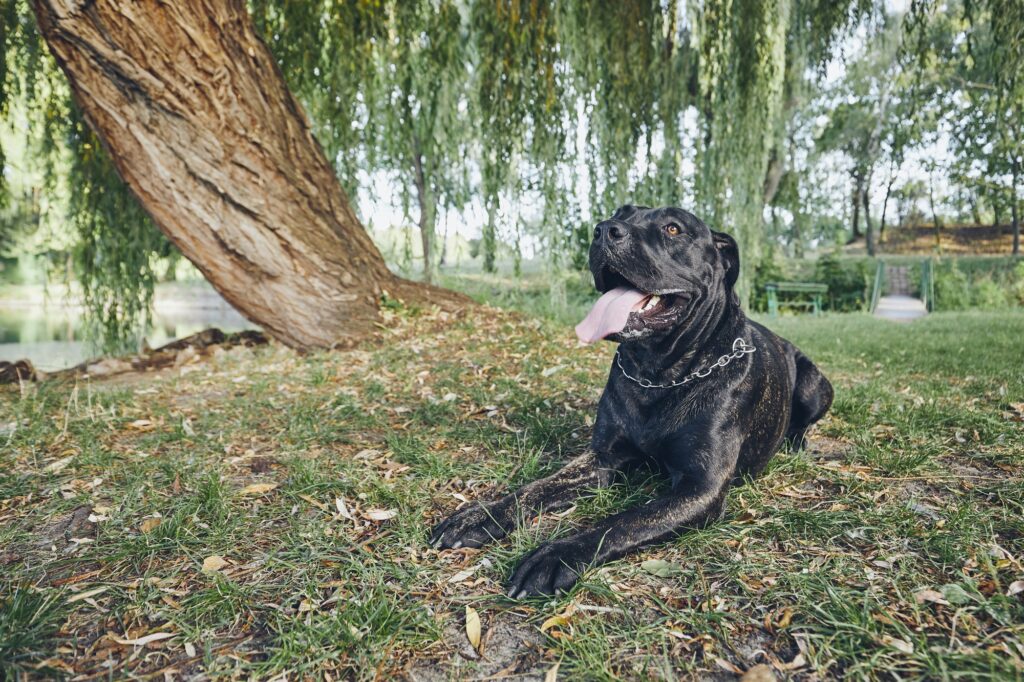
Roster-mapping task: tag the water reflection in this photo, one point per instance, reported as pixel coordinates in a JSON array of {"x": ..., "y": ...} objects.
[{"x": 52, "y": 334}]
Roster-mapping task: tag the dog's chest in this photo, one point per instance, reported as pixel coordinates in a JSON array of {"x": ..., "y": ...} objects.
[{"x": 647, "y": 420}]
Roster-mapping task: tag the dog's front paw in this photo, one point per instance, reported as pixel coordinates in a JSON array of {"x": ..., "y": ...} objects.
[
  {"x": 553, "y": 567},
  {"x": 473, "y": 527}
]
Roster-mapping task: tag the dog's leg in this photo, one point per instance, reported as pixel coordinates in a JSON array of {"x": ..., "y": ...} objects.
[
  {"x": 486, "y": 521},
  {"x": 812, "y": 396},
  {"x": 557, "y": 565}
]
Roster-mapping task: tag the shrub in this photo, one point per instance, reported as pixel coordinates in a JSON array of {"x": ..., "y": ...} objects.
[
  {"x": 847, "y": 282},
  {"x": 768, "y": 270},
  {"x": 1017, "y": 283},
  {"x": 952, "y": 287},
  {"x": 987, "y": 294}
]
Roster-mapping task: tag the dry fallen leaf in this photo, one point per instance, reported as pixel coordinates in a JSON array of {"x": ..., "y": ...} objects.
[
  {"x": 85, "y": 595},
  {"x": 898, "y": 644},
  {"x": 552, "y": 674},
  {"x": 143, "y": 641},
  {"x": 339, "y": 502},
  {"x": 933, "y": 596},
  {"x": 1016, "y": 587},
  {"x": 759, "y": 673},
  {"x": 473, "y": 627},
  {"x": 463, "y": 574},
  {"x": 212, "y": 564},
  {"x": 149, "y": 524},
  {"x": 315, "y": 502},
  {"x": 59, "y": 465},
  {"x": 554, "y": 622},
  {"x": 661, "y": 568},
  {"x": 380, "y": 514},
  {"x": 257, "y": 488}
]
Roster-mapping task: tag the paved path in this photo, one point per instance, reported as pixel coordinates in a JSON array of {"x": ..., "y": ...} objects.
[{"x": 899, "y": 305}]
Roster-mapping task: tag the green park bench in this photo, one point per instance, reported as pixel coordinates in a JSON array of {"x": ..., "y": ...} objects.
[{"x": 806, "y": 295}]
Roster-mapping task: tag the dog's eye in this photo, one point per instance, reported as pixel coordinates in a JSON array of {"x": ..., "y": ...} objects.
[{"x": 672, "y": 229}]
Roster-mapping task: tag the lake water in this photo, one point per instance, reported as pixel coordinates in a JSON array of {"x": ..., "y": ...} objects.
[{"x": 50, "y": 332}]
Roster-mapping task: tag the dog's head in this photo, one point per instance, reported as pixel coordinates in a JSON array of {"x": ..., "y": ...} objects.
[{"x": 659, "y": 270}]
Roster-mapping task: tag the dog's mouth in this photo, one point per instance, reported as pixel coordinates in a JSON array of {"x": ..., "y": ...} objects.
[{"x": 627, "y": 310}]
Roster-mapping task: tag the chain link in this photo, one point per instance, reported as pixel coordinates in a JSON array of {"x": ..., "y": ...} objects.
[{"x": 739, "y": 349}]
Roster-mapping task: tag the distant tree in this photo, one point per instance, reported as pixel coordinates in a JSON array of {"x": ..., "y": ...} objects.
[
  {"x": 870, "y": 119},
  {"x": 977, "y": 48}
]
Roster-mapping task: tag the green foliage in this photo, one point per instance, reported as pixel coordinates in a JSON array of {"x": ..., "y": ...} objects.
[
  {"x": 982, "y": 283},
  {"x": 117, "y": 248},
  {"x": 973, "y": 53},
  {"x": 952, "y": 288},
  {"x": 847, "y": 281},
  {"x": 549, "y": 114},
  {"x": 767, "y": 270}
]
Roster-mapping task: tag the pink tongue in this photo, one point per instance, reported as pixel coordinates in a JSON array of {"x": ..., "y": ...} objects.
[{"x": 609, "y": 314}]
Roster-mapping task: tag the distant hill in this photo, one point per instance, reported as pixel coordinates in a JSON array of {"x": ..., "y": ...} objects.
[{"x": 956, "y": 239}]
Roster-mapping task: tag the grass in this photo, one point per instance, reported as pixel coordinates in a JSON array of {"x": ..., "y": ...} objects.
[{"x": 891, "y": 549}]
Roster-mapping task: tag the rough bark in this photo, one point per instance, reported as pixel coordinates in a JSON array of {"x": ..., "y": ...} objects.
[{"x": 197, "y": 119}]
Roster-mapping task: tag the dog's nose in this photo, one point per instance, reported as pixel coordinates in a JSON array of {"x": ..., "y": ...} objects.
[{"x": 610, "y": 232}]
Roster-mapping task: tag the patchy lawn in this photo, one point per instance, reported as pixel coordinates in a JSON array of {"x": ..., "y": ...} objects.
[{"x": 259, "y": 513}]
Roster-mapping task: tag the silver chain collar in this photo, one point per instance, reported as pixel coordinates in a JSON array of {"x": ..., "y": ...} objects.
[{"x": 739, "y": 349}]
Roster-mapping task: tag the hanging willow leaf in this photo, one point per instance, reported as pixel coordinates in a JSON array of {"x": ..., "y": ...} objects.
[{"x": 548, "y": 114}]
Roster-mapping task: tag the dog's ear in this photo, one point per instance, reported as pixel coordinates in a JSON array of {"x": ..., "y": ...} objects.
[{"x": 729, "y": 252}]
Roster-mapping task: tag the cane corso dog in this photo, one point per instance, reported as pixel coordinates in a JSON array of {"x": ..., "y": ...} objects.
[{"x": 696, "y": 391}]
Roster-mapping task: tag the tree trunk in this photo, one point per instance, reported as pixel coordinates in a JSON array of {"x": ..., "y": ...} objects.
[
  {"x": 198, "y": 121},
  {"x": 1015, "y": 208},
  {"x": 426, "y": 223},
  {"x": 796, "y": 234},
  {"x": 869, "y": 232},
  {"x": 442, "y": 258},
  {"x": 489, "y": 243},
  {"x": 776, "y": 169},
  {"x": 972, "y": 199},
  {"x": 935, "y": 215},
  {"x": 1015, "y": 213},
  {"x": 855, "y": 222},
  {"x": 885, "y": 207}
]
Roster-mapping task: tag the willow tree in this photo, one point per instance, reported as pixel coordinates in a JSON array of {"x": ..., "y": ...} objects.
[
  {"x": 228, "y": 169},
  {"x": 483, "y": 99},
  {"x": 417, "y": 128},
  {"x": 518, "y": 102}
]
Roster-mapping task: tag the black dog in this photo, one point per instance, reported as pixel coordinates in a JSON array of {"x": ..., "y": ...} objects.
[{"x": 696, "y": 389}]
